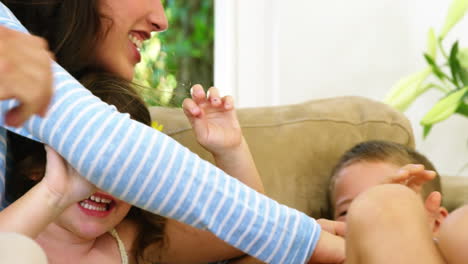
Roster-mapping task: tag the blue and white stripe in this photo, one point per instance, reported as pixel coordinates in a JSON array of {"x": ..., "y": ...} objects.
[{"x": 145, "y": 167}]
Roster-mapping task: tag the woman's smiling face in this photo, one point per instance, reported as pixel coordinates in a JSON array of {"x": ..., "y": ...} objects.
[{"x": 126, "y": 24}]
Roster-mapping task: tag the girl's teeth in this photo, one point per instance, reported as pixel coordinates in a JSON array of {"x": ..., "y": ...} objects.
[
  {"x": 99, "y": 199},
  {"x": 92, "y": 207}
]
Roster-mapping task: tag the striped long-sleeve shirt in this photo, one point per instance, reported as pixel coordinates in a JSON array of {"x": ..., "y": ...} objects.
[{"x": 144, "y": 167}]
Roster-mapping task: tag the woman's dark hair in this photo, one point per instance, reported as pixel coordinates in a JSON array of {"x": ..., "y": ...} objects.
[{"x": 71, "y": 27}]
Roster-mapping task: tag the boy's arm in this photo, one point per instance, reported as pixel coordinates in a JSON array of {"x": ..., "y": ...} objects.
[{"x": 217, "y": 129}]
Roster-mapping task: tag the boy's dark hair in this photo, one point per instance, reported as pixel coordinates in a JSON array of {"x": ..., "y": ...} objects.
[
  {"x": 384, "y": 151},
  {"x": 28, "y": 157}
]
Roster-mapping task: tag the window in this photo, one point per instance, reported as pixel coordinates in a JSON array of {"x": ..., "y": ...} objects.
[{"x": 174, "y": 60}]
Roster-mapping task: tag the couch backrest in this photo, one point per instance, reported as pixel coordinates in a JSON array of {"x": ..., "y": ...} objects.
[{"x": 295, "y": 146}]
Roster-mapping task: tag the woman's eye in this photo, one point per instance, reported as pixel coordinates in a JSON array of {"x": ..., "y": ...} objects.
[{"x": 342, "y": 213}]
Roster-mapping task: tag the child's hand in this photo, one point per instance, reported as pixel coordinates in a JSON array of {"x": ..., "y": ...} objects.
[
  {"x": 414, "y": 176},
  {"x": 333, "y": 227},
  {"x": 64, "y": 182},
  {"x": 213, "y": 120},
  {"x": 329, "y": 249}
]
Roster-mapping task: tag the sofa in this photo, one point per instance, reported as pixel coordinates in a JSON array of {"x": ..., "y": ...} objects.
[{"x": 296, "y": 146}]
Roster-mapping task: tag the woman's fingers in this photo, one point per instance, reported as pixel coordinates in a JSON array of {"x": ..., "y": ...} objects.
[{"x": 25, "y": 74}]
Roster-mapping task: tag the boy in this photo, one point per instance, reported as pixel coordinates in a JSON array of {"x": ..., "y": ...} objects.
[{"x": 387, "y": 223}]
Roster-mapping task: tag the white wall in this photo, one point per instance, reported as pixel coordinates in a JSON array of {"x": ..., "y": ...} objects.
[{"x": 272, "y": 52}]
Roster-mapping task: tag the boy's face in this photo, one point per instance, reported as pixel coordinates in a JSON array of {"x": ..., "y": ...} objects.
[{"x": 355, "y": 179}]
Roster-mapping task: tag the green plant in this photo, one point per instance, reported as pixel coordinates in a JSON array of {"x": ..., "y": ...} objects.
[
  {"x": 174, "y": 60},
  {"x": 449, "y": 75}
]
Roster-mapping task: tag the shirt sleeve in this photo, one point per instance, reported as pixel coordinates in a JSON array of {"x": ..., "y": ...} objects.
[{"x": 152, "y": 171}]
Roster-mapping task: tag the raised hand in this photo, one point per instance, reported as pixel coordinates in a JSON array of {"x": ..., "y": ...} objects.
[
  {"x": 213, "y": 119},
  {"x": 413, "y": 176},
  {"x": 64, "y": 181},
  {"x": 25, "y": 74},
  {"x": 217, "y": 129}
]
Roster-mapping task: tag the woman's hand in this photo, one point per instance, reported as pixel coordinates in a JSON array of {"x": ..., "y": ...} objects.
[
  {"x": 25, "y": 74},
  {"x": 214, "y": 120},
  {"x": 64, "y": 182}
]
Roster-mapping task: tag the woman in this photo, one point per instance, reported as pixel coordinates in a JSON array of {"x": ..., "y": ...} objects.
[{"x": 167, "y": 179}]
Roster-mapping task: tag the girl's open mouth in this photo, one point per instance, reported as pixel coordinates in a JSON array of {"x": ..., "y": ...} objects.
[{"x": 99, "y": 205}]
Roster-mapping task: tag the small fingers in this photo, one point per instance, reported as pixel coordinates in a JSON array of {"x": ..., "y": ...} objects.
[
  {"x": 420, "y": 178},
  {"x": 228, "y": 102},
  {"x": 406, "y": 172},
  {"x": 198, "y": 94},
  {"x": 190, "y": 108},
  {"x": 213, "y": 97}
]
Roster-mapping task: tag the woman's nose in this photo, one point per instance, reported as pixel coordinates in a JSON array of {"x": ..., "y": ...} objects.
[{"x": 157, "y": 17}]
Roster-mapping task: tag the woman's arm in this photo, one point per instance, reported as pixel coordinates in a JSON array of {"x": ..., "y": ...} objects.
[
  {"x": 146, "y": 168},
  {"x": 217, "y": 129}
]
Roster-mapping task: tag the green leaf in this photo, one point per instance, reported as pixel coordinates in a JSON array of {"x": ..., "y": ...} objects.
[
  {"x": 431, "y": 43},
  {"x": 454, "y": 64},
  {"x": 435, "y": 68},
  {"x": 463, "y": 109},
  {"x": 426, "y": 130},
  {"x": 463, "y": 73},
  {"x": 406, "y": 90},
  {"x": 444, "y": 108},
  {"x": 456, "y": 12},
  {"x": 462, "y": 57}
]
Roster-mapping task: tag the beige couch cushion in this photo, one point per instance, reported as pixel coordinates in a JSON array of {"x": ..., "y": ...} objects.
[
  {"x": 295, "y": 146},
  {"x": 455, "y": 190}
]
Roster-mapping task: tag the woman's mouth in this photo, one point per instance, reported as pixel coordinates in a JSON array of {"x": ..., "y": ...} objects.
[
  {"x": 99, "y": 205},
  {"x": 135, "y": 45}
]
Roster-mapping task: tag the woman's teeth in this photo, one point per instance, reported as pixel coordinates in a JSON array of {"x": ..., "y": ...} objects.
[{"x": 138, "y": 43}]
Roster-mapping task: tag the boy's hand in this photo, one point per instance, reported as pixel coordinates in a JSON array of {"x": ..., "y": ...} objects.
[
  {"x": 330, "y": 249},
  {"x": 414, "y": 176},
  {"x": 213, "y": 119},
  {"x": 25, "y": 74},
  {"x": 64, "y": 182}
]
